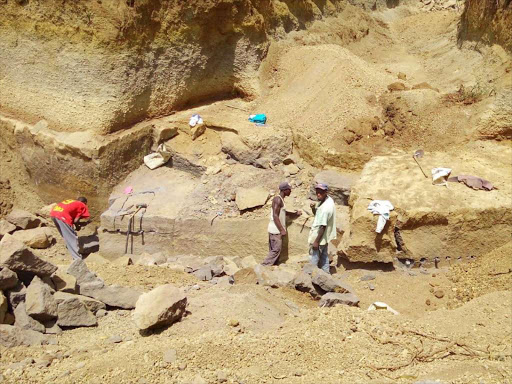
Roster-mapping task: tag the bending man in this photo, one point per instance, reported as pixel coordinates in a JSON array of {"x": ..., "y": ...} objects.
[
  {"x": 66, "y": 215},
  {"x": 277, "y": 224},
  {"x": 323, "y": 229}
]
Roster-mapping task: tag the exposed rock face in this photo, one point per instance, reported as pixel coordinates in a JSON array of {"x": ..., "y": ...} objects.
[
  {"x": 108, "y": 65},
  {"x": 436, "y": 222},
  {"x": 16, "y": 256},
  {"x": 160, "y": 307},
  {"x": 339, "y": 185},
  {"x": 487, "y": 20}
]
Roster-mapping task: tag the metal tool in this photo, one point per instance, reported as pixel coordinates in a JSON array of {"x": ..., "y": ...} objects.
[
  {"x": 130, "y": 226},
  {"x": 214, "y": 217},
  {"x": 418, "y": 155}
]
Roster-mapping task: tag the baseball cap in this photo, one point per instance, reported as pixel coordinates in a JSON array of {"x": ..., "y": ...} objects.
[
  {"x": 284, "y": 186},
  {"x": 321, "y": 186}
]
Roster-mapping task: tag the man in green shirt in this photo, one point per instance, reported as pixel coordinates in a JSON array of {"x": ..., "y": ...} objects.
[{"x": 323, "y": 229}]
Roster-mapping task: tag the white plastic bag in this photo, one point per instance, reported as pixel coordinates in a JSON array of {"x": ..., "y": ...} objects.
[
  {"x": 158, "y": 158},
  {"x": 440, "y": 176}
]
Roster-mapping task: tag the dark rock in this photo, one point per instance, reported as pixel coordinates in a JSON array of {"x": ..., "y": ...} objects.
[
  {"x": 8, "y": 279},
  {"x": 331, "y": 299}
]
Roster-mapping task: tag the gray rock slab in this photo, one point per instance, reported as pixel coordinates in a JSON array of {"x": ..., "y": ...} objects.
[
  {"x": 12, "y": 336},
  {"x": 19, "y": 258},
  {"x": 91, "y": 304},
  {"x": 24, "y": 321},
  {"x": 331, "y": 299},
  {"x": 73, "y": 313},
  {"x": 120, "y": 297}
]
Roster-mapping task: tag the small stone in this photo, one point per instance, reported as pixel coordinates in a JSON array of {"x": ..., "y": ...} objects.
[
  {"x": 371, "y": 287},
  {"x": 367, "y": 277},
  {"x": 222, "y": 377},
  {"x": 115, "y": 339},
  {"x": 439, "y": 293},
  {"x": 233, "y": 323},
  {"x": 170, "y": 356},
  {"x": 101, "y": 313},
  {"x": 427, "y": 302},
  {"x": 80, "y": 365},
  {"x": 402, "y": 76},
  {"x": 182, "y": 366}
]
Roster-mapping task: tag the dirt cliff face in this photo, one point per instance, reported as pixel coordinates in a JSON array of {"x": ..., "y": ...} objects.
[
  {"x": 487, "y": 20},
  {"x": 106, "y": 65}
]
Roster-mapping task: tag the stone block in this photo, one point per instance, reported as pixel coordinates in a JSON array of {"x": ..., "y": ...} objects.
[
  {"x": 91, "y": 304},
  {"x": 247, "y": 198},
  {"x": 72, "y": 312},
  {"x": 8, "y": 279},
  {"x": 12, "y": 336},
  {"x": 331, "y": 299},
  {"x": 23, "y": 320},
  {"x": 6, "y": 228},
  {"x": 40, "y": 303}
]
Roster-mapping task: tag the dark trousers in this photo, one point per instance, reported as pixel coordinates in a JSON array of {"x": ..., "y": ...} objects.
[{"x": 275, "y": 243}]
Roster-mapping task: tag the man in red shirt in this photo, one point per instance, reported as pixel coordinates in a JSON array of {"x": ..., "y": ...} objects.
[{"x": 66, "y": 215}]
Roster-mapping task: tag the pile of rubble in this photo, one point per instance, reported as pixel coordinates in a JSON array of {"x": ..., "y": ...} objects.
[
  {"x": 38, "y": 299},
  {"x": 322, "y": 286}
]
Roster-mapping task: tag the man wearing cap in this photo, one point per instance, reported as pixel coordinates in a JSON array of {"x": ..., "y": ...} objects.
[
  {"x": 323, "y": 229},
  {"x": 277, "y": 224}
]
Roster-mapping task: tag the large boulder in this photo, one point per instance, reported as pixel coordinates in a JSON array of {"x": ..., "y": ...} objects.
[
  {"x": 91, "y": 304},
  {"x": 6, "y": 228},
  {"x": 8, "y": 278},
  {"x": 23, "y": 219},
  {"x": 331, "y": 299},
  {"x": 24, "y": 321},
  {"x": 245, "y": 276},
  {"x": 40, "y": 303},
  {"x": 339, "y": 184},
  {"x": 39, "y": 238},
  {"x": 12, "y": 336},
  {"x": 16, "y": 256},
  {"x": 247, "y": 198},
  {"x": 160, "y": 307},
  {"x": 72, "y": 312}
]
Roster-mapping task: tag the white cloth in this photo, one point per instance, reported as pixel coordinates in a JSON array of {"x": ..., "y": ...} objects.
[
  {"x": 381, "y": 208},
  {"x": 195, "y": 120},
  {"x": 440, "y": 175},
  {"x": 272, "y": 227},
  {"x": 325, "y": 216}
]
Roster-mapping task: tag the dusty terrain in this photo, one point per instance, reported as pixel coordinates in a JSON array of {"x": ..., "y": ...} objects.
[{"x": 350, "y": 86}]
